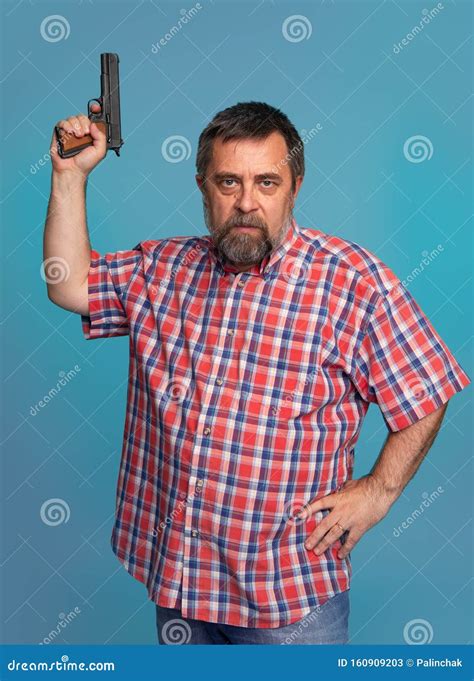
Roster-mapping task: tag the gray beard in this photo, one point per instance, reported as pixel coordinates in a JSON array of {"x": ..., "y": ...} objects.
[{"x": 243, "y": 248}]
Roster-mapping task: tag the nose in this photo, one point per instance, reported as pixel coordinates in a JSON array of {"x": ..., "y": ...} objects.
[{"x": 246, "y": 199}]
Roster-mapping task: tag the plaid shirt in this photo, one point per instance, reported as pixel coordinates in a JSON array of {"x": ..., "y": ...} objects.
[{"x": 246, "y": 396}]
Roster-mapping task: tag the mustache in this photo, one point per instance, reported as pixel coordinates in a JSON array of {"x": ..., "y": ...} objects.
[{"x": 244, "y": 222}]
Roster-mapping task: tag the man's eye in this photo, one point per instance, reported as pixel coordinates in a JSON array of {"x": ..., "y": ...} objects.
[
  {"x": 229, "y": 179},
  {"x": 270, "y": 183}
]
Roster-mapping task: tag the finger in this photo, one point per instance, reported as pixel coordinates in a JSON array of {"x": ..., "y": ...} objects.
[
  {"x": 76, "y": 125},
  {"x": 54, "y": 142},
  {"x": 66, "y": 126},
  {"x": 99, "y": 139},
  {"x": 325, "y": 502},
  {"x": 317, "y": 534},
  {"x": 96, "y": 133},
  {"x": 66, "y": 130},
  {"x": 348, "y": 545},
  {"x": 85, "y": 123},
  {"x": 332, "y": 536},
  {"x": 95, "y": 107},
  {"x": 53, "y": 149}
]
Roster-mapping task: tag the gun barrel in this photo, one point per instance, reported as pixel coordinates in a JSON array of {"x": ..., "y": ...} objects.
[{"x": 110, "y": 97}]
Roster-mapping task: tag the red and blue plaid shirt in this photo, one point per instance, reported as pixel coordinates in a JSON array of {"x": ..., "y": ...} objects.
[{"x": 246, "y": 396}]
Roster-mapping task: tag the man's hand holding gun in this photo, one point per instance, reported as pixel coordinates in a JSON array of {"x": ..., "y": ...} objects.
[{"x": 78, "y": 145}]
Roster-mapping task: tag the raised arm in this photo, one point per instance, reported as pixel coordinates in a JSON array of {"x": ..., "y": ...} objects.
[{"x": 66, "y": 246}]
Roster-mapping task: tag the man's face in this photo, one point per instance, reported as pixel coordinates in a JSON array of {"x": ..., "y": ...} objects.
[{"x": 248, "y": 199}]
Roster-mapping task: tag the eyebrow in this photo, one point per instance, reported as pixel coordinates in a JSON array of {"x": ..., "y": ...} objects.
[{"x": 234, "y": 176}]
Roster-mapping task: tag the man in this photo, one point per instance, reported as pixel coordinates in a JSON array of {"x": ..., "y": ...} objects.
[{"x": 255, "y": 353}]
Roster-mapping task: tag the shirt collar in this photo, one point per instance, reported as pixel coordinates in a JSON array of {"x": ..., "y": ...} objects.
[{"x": 269, "y": 263}]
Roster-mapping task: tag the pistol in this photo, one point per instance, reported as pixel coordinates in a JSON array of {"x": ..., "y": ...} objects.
[{"x": 108, "y": 120}]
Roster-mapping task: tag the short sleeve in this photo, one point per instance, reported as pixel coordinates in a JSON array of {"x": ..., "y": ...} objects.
[
  {"x": 108, "y": 279},
  {"x": 402, "y": 364}
]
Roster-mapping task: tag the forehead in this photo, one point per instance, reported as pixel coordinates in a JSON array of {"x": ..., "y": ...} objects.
[{"x": 250, "y": 154}]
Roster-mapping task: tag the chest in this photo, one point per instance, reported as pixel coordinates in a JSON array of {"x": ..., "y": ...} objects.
[{"x": 276, "y": 346}]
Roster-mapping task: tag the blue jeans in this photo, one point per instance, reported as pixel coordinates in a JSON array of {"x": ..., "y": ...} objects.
[{"x": 325, "y": 624}]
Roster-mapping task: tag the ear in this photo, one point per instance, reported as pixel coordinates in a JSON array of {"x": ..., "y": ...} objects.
[
  {"x": 298, "y": 183},
  {"x": 200, "y": 182}
]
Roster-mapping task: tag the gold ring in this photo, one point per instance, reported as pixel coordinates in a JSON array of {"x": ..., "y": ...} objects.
[{"x": 342, "y": 529}]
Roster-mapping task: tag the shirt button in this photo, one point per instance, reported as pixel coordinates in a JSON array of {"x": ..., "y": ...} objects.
[
  {"x": 230, "y": 332},
  {"x": 200, "y": 483},
  {"x": 207, "y": 431},
  {"x": 194, "y": 533},
  {"x": 179, "y": 565},
  {"x": 241, "y": 283},
  {"x": 219, "y": 381}
]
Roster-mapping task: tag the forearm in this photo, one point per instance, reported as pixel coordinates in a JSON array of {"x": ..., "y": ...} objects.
[
  {"x": 66, "y": 240},
  {"x": 403, "y": 453},
  {"x": 365, "y": 501}
]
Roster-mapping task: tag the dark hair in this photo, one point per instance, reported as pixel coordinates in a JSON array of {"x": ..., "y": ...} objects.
[{"x": 251, "y": 120}]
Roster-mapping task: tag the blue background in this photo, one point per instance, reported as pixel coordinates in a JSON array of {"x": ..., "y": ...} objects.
[{"x": 359, "y": 185}]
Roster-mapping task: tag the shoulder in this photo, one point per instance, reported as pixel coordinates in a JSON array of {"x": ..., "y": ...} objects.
[
  {"x": 351, "y": 260},
  {"x": 171, "y": 249}
]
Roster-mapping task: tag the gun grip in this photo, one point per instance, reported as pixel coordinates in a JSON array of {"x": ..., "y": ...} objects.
[{"x": 69, "y": 145}]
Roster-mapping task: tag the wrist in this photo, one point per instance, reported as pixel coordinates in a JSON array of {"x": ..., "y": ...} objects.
[
  {"x": 65, "y": 181},
  {"x": 388, "y": 491}
]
